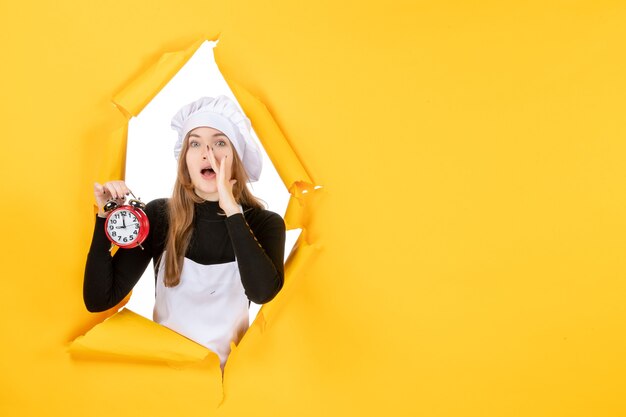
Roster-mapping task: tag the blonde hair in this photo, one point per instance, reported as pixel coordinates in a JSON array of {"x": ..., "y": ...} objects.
[{"x": 181, "y": 211}]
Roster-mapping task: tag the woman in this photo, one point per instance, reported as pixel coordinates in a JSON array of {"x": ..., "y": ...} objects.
[{"x": 215, "y": 248}]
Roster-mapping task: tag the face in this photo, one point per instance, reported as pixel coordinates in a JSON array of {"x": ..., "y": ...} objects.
[{"x": 202, "y": 175}]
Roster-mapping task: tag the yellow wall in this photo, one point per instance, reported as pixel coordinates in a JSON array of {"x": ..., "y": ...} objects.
[{"x": 463, "y": 258}]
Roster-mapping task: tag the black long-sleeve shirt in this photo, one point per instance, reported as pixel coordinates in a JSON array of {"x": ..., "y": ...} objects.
[{"x": 256, "y": 238}]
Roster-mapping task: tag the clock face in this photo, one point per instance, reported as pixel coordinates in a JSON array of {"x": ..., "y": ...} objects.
[{"x": 123, "y": 227}]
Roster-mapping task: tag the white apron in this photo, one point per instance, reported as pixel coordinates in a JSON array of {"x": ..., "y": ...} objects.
[{"x": 208, "y": 306}]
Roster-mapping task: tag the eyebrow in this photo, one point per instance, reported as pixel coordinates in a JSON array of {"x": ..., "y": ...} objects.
[{"x": 214, "y": 135}]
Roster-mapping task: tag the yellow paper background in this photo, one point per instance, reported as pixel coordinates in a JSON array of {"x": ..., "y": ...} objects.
[{"x": 464, "y": 256}]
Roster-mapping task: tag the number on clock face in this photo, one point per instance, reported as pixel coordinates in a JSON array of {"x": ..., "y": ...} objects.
[{"x": 123, "y": 227}]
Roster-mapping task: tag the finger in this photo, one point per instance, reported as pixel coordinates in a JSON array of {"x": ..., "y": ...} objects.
[
  {"x": 213, "y": 161},
  {"x": 112, "y": 189},
  {"x": 224, "y": 165},
  {"x": 229, "y": 166},
  {"x": 119, "y": 190},
  {"x": 100, "y": 194},
  {"x": 109, "y": 190},
  {"x": 98, "y": 188},
  {"x": 220, "y": 174},
  {"x": 225, "y": 168},
  {"x": 124, "y": 188}
]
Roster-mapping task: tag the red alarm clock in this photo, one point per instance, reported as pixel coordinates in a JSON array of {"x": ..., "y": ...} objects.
[{"x": 126, "y": 226}]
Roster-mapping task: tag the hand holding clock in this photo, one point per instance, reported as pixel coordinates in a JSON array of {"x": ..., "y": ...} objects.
[
  {"x": 124, "y": 235},
  {"x": 116, "y": 190}
]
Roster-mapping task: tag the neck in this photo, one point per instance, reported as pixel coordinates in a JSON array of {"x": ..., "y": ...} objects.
[{"x": 214, "y": 197}]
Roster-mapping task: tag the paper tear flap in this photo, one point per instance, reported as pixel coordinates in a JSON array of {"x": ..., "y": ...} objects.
[{"x": 127, "y": 335}]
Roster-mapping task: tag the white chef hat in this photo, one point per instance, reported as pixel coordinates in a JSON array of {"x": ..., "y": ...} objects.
[{"x": 220, "y": 113}]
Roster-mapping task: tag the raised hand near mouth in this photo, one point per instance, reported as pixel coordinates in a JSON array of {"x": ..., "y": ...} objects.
[{"x": 223, "y": 175}]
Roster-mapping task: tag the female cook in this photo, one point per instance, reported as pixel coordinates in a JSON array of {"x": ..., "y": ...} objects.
[{"x": 214, "y": 246}]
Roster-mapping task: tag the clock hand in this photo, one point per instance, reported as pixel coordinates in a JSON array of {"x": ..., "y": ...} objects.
[{"x": 123, "y": 222}]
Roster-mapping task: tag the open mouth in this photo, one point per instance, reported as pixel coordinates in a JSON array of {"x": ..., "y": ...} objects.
[{"x": 207, "y": 172}]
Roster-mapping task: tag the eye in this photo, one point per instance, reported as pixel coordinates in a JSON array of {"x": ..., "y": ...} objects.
[
  {"x": 194, "y": 144},
  {"x": 221, "y": 143}
]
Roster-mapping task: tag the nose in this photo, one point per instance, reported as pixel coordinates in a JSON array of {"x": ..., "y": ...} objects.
[{"x": 205, "y": 153}]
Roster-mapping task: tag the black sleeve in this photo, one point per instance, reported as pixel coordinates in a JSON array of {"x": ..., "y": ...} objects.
[
  {"x": 108, "y": 279},
  {"x": 259, "y": 254}
]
